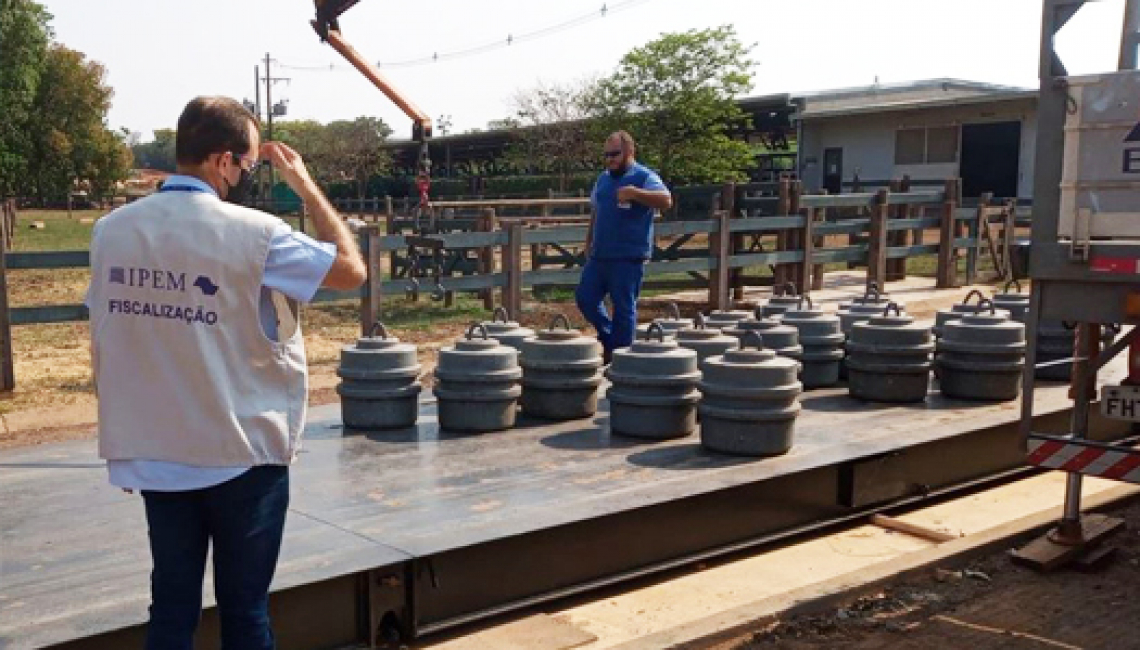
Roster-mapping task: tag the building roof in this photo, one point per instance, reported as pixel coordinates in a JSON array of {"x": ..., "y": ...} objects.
[{"x": 931, "y": 93}]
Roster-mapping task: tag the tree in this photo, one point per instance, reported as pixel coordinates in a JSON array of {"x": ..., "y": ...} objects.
[
  {"x": 354, "y": 150},
  {"x": 156, "y": 154},
  {"x": 70, "y": 141},
  {"x": 109, "y": 164},
  {"x": 309, "y": 138},
  {"x": 344, "y": 150},
  {"x": 676, "y": 96},
  {"x": 555, "y": 129},
  {"x": 24, "y": 38}
]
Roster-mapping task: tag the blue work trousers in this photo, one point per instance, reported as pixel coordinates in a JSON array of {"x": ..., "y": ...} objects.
[
  {"x": 621, "y": 281},
  {"x": 244, "y": 518}
]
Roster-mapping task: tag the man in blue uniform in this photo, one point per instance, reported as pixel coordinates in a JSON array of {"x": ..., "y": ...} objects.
[{"x": 625, "y": 198}]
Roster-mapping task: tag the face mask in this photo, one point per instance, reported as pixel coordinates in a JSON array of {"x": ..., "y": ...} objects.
[{"x": 239, "y": 192}]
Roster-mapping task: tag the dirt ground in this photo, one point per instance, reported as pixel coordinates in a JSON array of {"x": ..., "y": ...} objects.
[
  {"x": 986, "y": 604},
  {"x": 55, "y": 397}
]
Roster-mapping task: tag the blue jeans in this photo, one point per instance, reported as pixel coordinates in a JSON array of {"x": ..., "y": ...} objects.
[
  {"x": 621, "y": 281},
  {"x": 244, "y": 518}
]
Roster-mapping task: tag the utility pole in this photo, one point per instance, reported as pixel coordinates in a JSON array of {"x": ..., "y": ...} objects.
[
  {"x": 268, "y": 97},
  {"x": 270, "y": 111}
]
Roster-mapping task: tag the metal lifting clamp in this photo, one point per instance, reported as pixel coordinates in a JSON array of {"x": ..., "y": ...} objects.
[{"x": 327, "y": 27}]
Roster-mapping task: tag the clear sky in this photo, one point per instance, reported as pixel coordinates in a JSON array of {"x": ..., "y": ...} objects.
[{"x": 160, "y": 53}]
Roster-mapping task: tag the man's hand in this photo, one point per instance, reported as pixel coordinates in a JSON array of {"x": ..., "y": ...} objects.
[
  {"x": 289, "y": 164},
  {"x": 654, "y": 199},
  {"x": 347, "y": 271}
]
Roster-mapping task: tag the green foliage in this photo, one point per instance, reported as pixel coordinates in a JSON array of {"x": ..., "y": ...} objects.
[
  {"x": 555, "y": 132},
  {"x": 354, "y": 152},
  {"x": 675, "y": 95},
  {"x": 24, "y": 38},
  {"x": 344, "y": 151},
  {"x": 491, "y": 186},
  {"x": 53, "y": 103},
  {"x": 110, "y": 163},
  {"x": 70, "y": 142},
  {"x": 156, "y": 154}
]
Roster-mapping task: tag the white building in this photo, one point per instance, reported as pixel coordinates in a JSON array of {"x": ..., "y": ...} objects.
[{"x": 929, "y": 130}]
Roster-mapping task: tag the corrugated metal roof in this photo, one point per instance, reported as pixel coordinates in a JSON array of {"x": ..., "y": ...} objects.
[{"x": 931, "y": 93}]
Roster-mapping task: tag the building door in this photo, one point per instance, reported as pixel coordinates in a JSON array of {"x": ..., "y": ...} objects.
[
  {"x": 990, "y": 154},
  {"x": 833, "y": 170}
]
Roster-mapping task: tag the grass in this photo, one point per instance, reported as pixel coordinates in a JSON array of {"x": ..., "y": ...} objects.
[{"x": 61, "y": 233}]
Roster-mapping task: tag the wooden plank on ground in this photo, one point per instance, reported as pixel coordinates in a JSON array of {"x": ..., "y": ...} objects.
[{"x": 1046, "y": 554}]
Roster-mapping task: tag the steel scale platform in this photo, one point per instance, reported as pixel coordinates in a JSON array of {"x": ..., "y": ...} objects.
[{"x": 418, "y": 530}]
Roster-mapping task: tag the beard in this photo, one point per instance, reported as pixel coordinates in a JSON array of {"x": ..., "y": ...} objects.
[{"x": 620, "y": 171}]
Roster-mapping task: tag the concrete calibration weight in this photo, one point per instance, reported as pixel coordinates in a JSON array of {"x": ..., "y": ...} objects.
[
  {"x": 477, "y": 384},
  {"x": 380, "y": 385}
]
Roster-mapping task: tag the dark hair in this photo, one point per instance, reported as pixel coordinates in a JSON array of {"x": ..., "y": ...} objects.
[{"x": 212, "y": 125}]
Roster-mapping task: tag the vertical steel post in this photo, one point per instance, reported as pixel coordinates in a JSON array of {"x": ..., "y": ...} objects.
[
  {"x": 1029, "y": 374},
  {"x": 1130, "y": 36},
  {"x": 1084, "y": 378}
]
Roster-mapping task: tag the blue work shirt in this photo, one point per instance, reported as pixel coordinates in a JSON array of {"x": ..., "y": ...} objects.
[
  {"x": 295, "y": 266},
  {"x": 623, "y": 231}
]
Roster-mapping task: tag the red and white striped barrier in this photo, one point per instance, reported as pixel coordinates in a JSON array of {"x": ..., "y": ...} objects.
[{"x": 1085, "y": 457}]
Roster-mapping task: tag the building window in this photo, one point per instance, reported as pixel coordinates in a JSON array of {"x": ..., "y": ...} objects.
[
  {"x": 910, "y": 147},
  {"x": 942, "y": 145},
  {"x": 926, "y": 145}
]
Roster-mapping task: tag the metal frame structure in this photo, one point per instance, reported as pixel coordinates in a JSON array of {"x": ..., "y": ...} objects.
[
  {"x": 397, "y": 534},
  {"x": 1070, "y": 285}
]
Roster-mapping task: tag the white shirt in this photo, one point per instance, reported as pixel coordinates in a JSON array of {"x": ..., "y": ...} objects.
[{"x": 295, "y": 266}]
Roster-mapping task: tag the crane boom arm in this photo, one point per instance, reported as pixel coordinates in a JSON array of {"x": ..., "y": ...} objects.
[
  {"x": 421, "y": 122},
  {"x": 327, "y": 26}
]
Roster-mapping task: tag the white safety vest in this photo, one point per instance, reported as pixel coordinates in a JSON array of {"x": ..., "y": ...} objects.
[{"x": 183, "y": 369}]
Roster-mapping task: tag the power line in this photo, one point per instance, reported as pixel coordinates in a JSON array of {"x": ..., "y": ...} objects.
[{"x": 488, "y": 46}]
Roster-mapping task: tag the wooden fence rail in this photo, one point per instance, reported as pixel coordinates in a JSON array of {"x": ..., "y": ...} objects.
[{"x": 795, "y": 238}]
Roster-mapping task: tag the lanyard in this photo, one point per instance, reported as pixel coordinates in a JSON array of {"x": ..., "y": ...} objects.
[{"x": 180, "y": 188}]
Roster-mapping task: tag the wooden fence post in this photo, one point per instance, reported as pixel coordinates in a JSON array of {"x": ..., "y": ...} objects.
[
  {"x": 877, "y": 241},
  {"x": 487, "y": 257},
  {"x": 783, "y": 209},
  {"x": 947, "y": 262},
  {"x": 371, "y": 300},
  {"x": 980, "y": 230},
  {"x": 7, "y": 370},
  {"x": 1008, "y": 237},
  {"x": 392, "y": 228},
  {"x": 820, "y": 241},
  {"x": 735, "y": 241},
  {"x": 512, "y": 264},
  {"x": 896, "y": 268},
  {"x": 806, "y": 280},
  {"x": 720, "y": 242},
  {"x": 912, "y": 211},
  {"x": 794, "y": 238}
]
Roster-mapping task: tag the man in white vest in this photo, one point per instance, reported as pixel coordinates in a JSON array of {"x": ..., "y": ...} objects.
[{"x": 200, "y": 366}]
